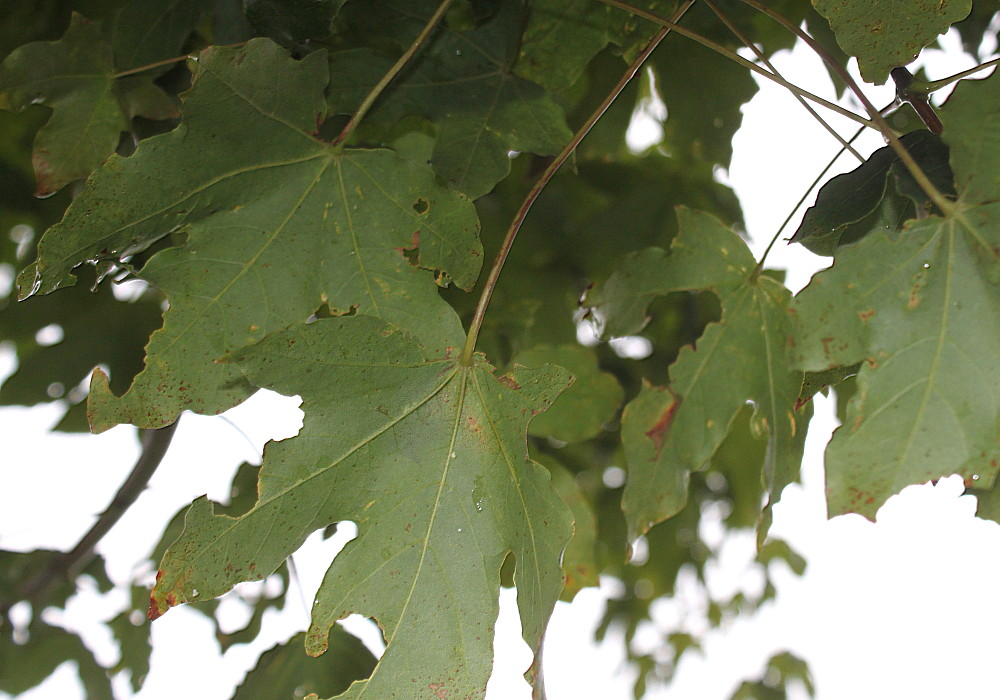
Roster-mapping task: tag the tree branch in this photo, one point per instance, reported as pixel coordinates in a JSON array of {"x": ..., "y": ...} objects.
[{"x": 70, "y": 564}]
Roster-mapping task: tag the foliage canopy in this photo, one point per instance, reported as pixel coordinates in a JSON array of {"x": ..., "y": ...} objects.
[{"x": 311, "y": 193}]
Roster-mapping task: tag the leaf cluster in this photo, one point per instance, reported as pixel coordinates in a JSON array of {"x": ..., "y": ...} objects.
[{"x": 305, "y": 196}]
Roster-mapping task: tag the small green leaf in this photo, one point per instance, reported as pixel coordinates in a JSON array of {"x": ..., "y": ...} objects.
[
  {"x": 561, "y": 38},
  {"x": 883, "y": 34},
  {"x": 429, "y": 458},
  {"x": 286, "y": 672},
  {"x": 75, "y": 77},
  {"x": 582, "y": 410},
  {"x": 855, "y": 197}
]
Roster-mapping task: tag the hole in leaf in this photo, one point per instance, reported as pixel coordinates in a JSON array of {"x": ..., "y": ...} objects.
[
  {"x": 368, "y": 631},
  {"x": 421, "y": 206}
]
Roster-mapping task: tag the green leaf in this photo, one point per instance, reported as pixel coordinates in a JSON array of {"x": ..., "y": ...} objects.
[
  {"x": 883, "y": 34},
  {"x": 974, "y": 138},
  {"x": 428, "y": 458},
  {"x": 97, "y": 330},
  {"x": 273, "y": 232},
  {"x": 700, "y": 131},
  {"x": 292, "y": 23},
  {"x": 562, "y": 36},
  {"x": 461, "y": 82},
  {"x": 669, "y": 432},
  {"x": 75, "y": 77},
  {"x": 285, "y": 671},
  {"x": 579, "y": 565},
  {"x": 854, "y": 197},
  {"x": 585, "y": 407},
  {"x": 921, "y": 310},
  {"x": 149, "y": 31},
  {"x": 24, "y": 666}
]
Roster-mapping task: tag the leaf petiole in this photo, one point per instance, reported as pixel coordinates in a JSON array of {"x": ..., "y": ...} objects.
[
  {"x": 939, "y": 200},
  {"x": 494, "y": 275},
  {"x": 391, "y": 74},
  {"x": 749, "y": 65}
]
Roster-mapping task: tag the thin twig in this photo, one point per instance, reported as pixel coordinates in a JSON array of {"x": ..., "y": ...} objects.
[
  {"x": 940, "y": 201},
  {"x": 391, "y": 74},
  {"x": 536, "y": 189},
  {"x": 932, "y": 85},
  {"x": 802, "y": 101},
  {"x": 69, "y": 565},
  {"x": 749, "y": 65},
  {"x": 168, "y": 61}
]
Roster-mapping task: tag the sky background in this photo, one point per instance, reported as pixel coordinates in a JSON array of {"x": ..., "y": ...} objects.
[{"x": 903, "y": 607}]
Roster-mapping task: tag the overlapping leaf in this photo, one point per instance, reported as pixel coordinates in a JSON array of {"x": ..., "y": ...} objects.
[
  {"x": 562, "y": 36},
  {"x": 273, "y": 232},
  {"x": 75, "y": 77},
  {"x": 428, "y": 458},
  {"x": 668, "y": 432},
  {"x": 78, "y": 76},
  {"x": 463, "y": 84},
  {"x": 883, "y": 34},
  {"x": 284, "y": 671},
  {"x": 585, "y": 407},
  {"x": 846, "y": 205},
  {"x": 921, "y": 308}
]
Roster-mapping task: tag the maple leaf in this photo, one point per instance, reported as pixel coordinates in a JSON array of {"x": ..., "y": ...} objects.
[
  {"x": 883, "y": 35},
  {"x": 920, "y": 309},
  {"x": 428, "y": 457},
  {"x": 463, "y": 84},
  {"x": 668, "y": 432},
  {"x": 277, "y": 223},
  {"x": 75, "y": 77}
]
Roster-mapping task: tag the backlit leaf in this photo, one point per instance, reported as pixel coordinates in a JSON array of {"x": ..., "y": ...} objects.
[
  {"x": 273, "y": 232},
  {"x": 883, "y": 34},
  {"x": 921, "y": 309},
  {"x": 671, "y": 431},
  {"x": 428, "y": 458},
  {"x": 911, "y": 308}
]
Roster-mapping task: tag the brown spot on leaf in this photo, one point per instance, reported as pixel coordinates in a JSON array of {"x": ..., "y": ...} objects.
[
  {"x": 509, "y": 382},
  {"x": 866, "y": 315},
  {"x": 154, "y": 609},
  {"x": 661, "y": 428}
]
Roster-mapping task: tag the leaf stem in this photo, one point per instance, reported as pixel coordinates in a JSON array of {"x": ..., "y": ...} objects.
[
  {"x": 69, "y": 565},
  {"x": 749, "y": 65},
  {"x": 494, "y": 275},
  {"x": 391, "y": 74},
  {"x": 167, "y": 62},
  {"x": 932, "y": 85},
  {"x": 777, "y": 234},
  {"x": 846, "y": 145},
  {"x": 940, "y": 201}
]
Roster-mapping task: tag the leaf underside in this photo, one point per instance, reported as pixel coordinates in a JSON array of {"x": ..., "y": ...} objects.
[{"x": 428, "y": 458}]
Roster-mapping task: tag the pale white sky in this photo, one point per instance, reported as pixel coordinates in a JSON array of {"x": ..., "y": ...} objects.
[{"x": 897, "y": 608}]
